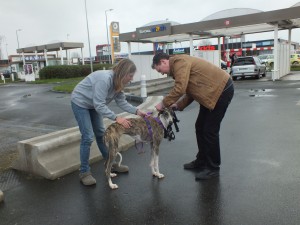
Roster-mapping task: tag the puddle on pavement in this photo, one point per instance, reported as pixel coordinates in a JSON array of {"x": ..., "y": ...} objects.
[
  {"x": 261, "y": 90},
  {"x": 261, "y": 93}
]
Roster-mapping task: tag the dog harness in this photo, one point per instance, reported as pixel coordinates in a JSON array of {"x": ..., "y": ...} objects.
[
  {"x": 149, "y": 125},
  {"x": 168, "y": 132}
]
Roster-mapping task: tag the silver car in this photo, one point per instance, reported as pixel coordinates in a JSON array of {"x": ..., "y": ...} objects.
[{"x": 248, "y": 66}]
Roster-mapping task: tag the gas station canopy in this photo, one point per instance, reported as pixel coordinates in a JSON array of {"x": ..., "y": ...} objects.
[
  {"x": 51, "y": 47},
  {"x": 254, "y": 22}
]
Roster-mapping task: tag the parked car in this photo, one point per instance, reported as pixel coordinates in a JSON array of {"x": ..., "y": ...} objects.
[
  {"x": 248, "y": 66},
  {"x": 267, "y": 59},
  {"x": 6, "y": 73},
  {"x": 295, "y": 59}
]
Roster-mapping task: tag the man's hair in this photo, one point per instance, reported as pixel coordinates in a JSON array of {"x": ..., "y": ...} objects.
[{"x": 159, "y": 56}]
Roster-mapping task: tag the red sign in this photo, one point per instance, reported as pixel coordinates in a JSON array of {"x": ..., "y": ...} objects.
[{"x": 205, "y": 48}]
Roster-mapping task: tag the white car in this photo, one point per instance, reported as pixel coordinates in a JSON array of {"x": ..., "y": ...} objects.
[{"x": 248, "y": 66}]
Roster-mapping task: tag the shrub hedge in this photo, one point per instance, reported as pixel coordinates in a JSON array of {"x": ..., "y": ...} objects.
[
  {"x": 295, "y": 68},
  {"x": 70, "y": 71}
]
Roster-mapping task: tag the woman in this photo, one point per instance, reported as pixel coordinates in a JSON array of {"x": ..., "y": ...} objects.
[{"x": 89, "y": 102}]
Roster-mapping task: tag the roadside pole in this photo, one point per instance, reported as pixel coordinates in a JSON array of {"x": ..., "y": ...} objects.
[
  {"x": 1, "y": 196},
  {"x": 143, "y": 87},
  {"x": 2, "y": 78}
]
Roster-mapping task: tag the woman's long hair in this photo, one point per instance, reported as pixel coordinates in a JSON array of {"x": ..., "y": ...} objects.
[{"x": 123, "y": 68}]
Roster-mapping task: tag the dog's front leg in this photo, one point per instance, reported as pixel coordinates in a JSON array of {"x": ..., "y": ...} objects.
[{"x": 154, "y": 162}]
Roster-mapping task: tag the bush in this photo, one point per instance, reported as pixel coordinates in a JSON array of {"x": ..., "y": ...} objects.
[
  {"x": 69, "y": 71},
  {"x": 295, "y": 68}
]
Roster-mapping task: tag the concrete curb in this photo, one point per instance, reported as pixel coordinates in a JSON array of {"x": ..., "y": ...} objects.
[
  {"x": 1, "y": 196},
  {"x": 56, "y": 154},
  {"x": 152, "y": 86}
]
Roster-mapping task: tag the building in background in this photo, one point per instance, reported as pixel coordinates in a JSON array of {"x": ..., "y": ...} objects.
[{"x": 103, "y": 53}]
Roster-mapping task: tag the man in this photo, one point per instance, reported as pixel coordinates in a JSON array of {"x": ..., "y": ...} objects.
[
  {"x": 199, "y": 80},
  {"x": 233, "y": 58}
]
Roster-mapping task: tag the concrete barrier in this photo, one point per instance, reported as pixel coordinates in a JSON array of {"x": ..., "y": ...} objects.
[
  {"x": 152, "y": 86},
  {"x": 56, "y": 154}
]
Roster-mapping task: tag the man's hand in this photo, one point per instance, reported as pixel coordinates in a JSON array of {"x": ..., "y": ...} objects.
[
  {"x": 174, "y": 107},
  {"x": 124, "y": 122},
  {"x": 160, "y": 106}
]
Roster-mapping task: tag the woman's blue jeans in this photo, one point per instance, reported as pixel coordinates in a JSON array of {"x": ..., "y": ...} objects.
[{"x": 90, "y": 123}]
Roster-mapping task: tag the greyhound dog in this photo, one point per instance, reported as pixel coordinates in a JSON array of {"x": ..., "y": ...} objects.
[{"x": 149, "y": 129}]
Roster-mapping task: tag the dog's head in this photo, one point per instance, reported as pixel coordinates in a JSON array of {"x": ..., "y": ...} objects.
[{"x": 166, "y": 117}]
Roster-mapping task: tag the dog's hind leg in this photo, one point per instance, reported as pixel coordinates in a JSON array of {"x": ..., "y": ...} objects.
[
  {"x": 154, "y": 161},
  {"x": 108, "y": 173}
]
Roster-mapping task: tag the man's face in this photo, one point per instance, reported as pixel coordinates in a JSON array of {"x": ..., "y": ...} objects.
[{"x": 163, "y": 67}]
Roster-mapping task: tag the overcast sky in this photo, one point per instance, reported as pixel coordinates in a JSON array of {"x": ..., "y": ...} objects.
[{"x": 48, "y": 21}]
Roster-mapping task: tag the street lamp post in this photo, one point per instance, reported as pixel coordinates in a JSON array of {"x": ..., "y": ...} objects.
[
  {"x": 18, "y": 43},
  {"x": 18, "y": 37},
  {"x": 109, "y": 51},
  {"x": 18, "y": 40},
  {"x": 87, "y": 26}
]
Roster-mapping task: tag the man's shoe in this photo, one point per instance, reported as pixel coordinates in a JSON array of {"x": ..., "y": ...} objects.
[
  {"x": 194, "y": 165},
  {"x": 207, "y": 174},
  {"x": 87, "y": 178},
  {"x": 119, "y": 169}
]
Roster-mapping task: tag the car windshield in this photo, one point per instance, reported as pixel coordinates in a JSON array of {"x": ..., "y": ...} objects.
[
  {"x": 262, "y": 56},
  {"x": 244, "y": 61}
]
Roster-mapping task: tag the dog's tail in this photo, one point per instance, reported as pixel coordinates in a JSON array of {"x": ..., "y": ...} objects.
[{"x": 121, "y": 158}]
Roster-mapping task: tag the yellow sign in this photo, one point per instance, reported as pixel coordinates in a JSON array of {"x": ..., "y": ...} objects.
[{"x": 114, "y": 39}]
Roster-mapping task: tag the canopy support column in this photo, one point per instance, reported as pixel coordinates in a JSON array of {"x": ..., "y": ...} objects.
[
  {"x": 61, "y": 56},
  {"x": 275, "y": 74},
  {"x": 191, "y": 45},
  {"x": 82, "y": 56},
  {"x": 45, "y": 55},
  {"x": 129, "y": 49},
  {"x": 289, "y": 49}
]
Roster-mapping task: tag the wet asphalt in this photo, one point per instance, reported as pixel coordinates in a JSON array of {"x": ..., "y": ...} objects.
[{"x": 259, "y": 179}]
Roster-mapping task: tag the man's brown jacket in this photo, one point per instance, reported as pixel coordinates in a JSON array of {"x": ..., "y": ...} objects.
[{"x": 195, "y": 79}]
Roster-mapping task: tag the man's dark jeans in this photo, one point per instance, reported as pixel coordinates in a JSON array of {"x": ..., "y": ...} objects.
[{"x": 208, "y": 128}]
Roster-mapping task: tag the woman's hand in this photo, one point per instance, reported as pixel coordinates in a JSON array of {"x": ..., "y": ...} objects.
[
  {"x": 141, "y": 113},
  {"x": 160, "y": 106},
  {"x": 123, "y": 121}
]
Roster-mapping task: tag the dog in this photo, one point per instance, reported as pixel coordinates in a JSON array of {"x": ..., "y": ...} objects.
[{"x": 149, "y": 129}]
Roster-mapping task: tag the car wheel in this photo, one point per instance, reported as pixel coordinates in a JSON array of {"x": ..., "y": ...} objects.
[
  {"x": 234, "y": 78},
  {"x": 295, "y": 63}
]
